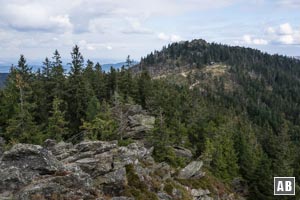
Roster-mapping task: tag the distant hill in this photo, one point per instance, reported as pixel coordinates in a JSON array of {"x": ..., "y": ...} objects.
[
  {"x": 106, "y": 67},
  {"x": 3, "y": 77},
  {"x": 265, "y": 86}
]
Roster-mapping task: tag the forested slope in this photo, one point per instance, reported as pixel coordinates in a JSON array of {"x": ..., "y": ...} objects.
[{"x": 236, "y": 109}]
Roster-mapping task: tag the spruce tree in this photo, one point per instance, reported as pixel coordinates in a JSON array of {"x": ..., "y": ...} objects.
[
  {"x": 76, "y": 94},
  {"x": 57, "y": 125}
]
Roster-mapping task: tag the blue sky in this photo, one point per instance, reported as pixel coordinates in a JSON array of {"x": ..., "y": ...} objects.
[{"x": 109, "y": 30}]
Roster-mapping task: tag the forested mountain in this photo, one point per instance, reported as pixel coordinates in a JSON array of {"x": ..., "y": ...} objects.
[
  {"x": 251, "y": 100},
  {"x": 236, "y": 109}
]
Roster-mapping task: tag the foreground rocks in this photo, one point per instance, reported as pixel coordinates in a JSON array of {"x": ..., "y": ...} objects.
[{"x": 93, "y": 170}]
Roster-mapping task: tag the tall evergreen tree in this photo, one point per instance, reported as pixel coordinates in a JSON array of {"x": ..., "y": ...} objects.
[
  {"x": 57, "y": 126},
  {"x": 76, "y": 94},
  {"x": 58, "y": 77}
]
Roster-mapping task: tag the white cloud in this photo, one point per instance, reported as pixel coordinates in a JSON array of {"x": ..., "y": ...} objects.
[
  {"x": 270, "y": 30},
  {"x": 254, "y": 41},
  {"x": 33, "y": 16},
  {"x": 62, "y": 21},
  {"x": 83, "y": 44},
  {"x": 175, "y": 38},
  {"x": 260, "y": 42},
  {"x": 284, "y": 34},
  {"x": 169, "y": 38},
  {"x": 286, "y": 39},
  {"x": 247, "y": 39},
  {"x": 285, "y": 29},
  {"x": 163, "y": 36},
  {"x": 109, "y": 47},
  {"x": 135, "y": 27}
]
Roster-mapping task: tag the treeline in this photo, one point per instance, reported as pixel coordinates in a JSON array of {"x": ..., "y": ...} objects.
[{"x": 50, "y": 103}]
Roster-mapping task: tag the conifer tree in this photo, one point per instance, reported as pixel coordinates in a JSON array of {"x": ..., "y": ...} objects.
[
  {"x": 99, "y": 84},
  {"x": 76, "y": 94},
  {"x": 93, "y": 109},
  {"x": 58, "y": 77},
  {"x": 102, "y": 127},
  {"x": 57, "y": 125},
  {"x": 21, "y": 126}
]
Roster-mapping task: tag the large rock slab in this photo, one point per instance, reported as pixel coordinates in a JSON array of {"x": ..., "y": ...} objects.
[
  {"x": 139, "y": 125},
  {"x": 136, "y": 121},
  {"x": 192, "y": 170},
  {"x": 71, "y": 186},
  {"x": 24, "y": 163}
]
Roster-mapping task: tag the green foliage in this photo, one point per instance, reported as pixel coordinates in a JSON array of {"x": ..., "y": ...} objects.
[
  {"x": 210, "y": 182},
  {"x": 143, "y": 88},
  {"x": 136, "y": 188},
  {"x": 57, "y": 125},
  {"x": 102, "y": 127},
  {"x": 77, "y": 93},
  {"x": 125, "y": 142},
  {"x": 160, "y": 139},
  {"x": 93, "y": 109},
  {"x": 171, "y": 185}
]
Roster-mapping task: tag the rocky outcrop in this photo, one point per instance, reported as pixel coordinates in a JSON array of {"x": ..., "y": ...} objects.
[
  {"x": 24, "y": 163},
  {"x": 199, "y": 194},
  {"x": 139, "y": 124},
  {"x": 192, "y": 170},
  {"x": 183, "y": 152},
  {"x": 92, "y": 170},
  {"x": 63, "y": 170},
  {"x": 136, "y": 121}
]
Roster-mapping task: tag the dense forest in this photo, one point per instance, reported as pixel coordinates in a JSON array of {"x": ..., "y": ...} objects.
[{"x": 250, "y": 131}]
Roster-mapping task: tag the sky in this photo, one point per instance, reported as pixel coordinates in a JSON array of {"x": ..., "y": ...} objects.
[{"x": 109, "y": 30}]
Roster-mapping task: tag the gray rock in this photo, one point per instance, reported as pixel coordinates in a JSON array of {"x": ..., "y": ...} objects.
[
  {"x": 88, "y": 170},
  {"x": 31, "y": 157},
  {"x": 163, "y": 196},
  {"x": 139, "y": 124},
  {"x": 135, "y": 109},
  {"x": 183, "y": 152},
  {"x": 49, "y": 144},
  {"x": 131, "y": 154},
  {"x": 72, "y": 186},
  {"x": 11, "y": 180},
  {"x": 205, "y": 197},
  {"x": 176, "y": 193},
  {"x": 163, "y": 170},
  {"x": 24, "y": 163},
  {"x": 199, "y": 192},
  {"x": 192, "y": 170},
  {"x": 62, "y": 150},
  {"x": 97, "y": 146},
  {"x": 136, "y": 121},
  {"x": 122, "y": 198},
  {"x": 113, "y": 183},
  {"x": 115, "y": 177}
]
